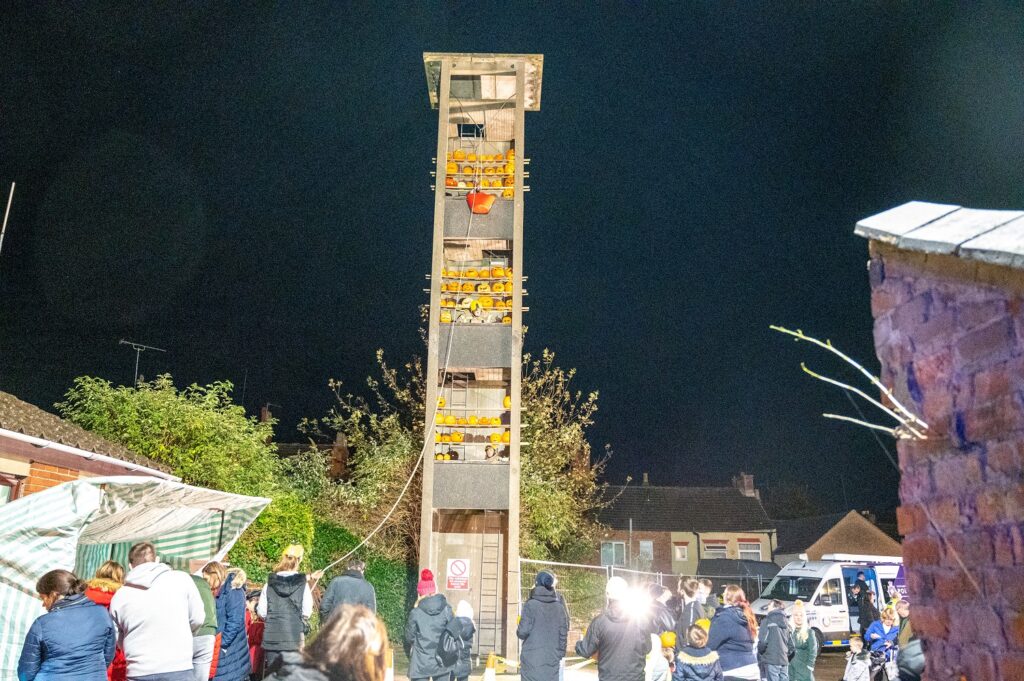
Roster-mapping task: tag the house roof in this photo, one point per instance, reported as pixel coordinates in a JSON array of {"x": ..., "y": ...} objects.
[
  {"x": 795, "y": 535},
  {"x": 683, "y": 509},
  {"x": 21, "y": 417},
  {"x": 992, "y": 236}
]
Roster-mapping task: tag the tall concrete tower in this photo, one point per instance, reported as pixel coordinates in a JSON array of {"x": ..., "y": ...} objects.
[{"x": 470, "y": 514}]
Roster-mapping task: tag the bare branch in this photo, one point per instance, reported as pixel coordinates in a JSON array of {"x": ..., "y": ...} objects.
[
  {"x": 902, "y": 421},
  {"x": 801, "y": 336}
]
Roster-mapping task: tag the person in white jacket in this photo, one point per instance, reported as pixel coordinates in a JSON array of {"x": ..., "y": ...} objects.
[{"x": 156, "y": 612}]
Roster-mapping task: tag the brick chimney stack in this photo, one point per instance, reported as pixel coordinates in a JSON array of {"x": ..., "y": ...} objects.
[
  {"x": 647, "y": 481},
  {"x": 744, "y": 482}
]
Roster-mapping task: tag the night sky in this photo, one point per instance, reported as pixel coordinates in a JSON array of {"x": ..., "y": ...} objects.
[{"x": 248, "y": 187}]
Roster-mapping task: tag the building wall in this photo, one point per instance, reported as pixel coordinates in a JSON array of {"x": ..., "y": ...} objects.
[
  {"x": 950, "y": 337},
  {"x": 42, "y": 476},
  {"x": 664, "y": 547}
]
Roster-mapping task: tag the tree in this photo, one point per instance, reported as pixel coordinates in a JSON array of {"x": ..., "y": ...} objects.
[
  {"x": 207, "y": 440},
  {"x": 559, "y": 488}
]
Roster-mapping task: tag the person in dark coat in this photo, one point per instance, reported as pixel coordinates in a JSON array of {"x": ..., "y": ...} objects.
[
  {"x": 620, "y": 642},
  {"x": 690, "y": 611},
  {"x": 695, "y": 661},
  {"x": 544, "y": 630},
  {"x": 868, "y": 613},
  {"x": 285, "y": 605},
  {"x": 233, "y": 663},
  {"x": 661, "y": 617},
  {"x": 708, "y": 599},
  {"x": 351, "y": 646},
  {"x": 462, "y": 629},
  {"x": 732, "y": 634},
  {"x": 775, "y": 644},
  {"x": 423, "y": 631},
  {"x": 73, "y": 641},
  {"x": 350, "y": 588}
]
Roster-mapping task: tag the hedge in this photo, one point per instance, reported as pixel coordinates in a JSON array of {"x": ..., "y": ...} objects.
[
  {"x": 287, "y": 520},
  {"x": 394, "y": 581}
]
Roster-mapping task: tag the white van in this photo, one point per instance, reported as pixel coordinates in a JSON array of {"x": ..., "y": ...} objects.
[{"x": 824, "y": 587}]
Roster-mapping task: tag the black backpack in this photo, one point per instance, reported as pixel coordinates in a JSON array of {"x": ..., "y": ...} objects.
[{"x": 449, "y": 648}]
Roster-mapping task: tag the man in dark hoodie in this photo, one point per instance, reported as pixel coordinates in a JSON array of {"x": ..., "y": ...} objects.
[
  {"x": 620, "y": 641},
  {"x": 544, "y": 630},
  {"x": 775, "y": 644},
  {"x": 349, "y": 588},
  {"x": 423, "y": 631}
]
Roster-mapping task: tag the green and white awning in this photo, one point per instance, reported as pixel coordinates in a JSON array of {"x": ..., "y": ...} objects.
[{"x": 78, "y": 525}]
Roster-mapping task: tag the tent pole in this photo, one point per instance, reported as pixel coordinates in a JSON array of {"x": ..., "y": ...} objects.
[{"x": 220, "y": 534}]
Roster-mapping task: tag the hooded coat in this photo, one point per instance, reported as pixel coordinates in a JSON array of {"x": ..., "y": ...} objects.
[
  {"x": 156, "y": 612},
  {"x": 73, "y": 642},
  {"x": 801, "y": 667},
  {"x": 662, "y": 619},
  {"x": 295, "y": 667},
  {"x": 731, "y": 639},
  {"x": 774, "y": 640},
  {"x": 100, "y": 592},
  {"x": 858, "y": 667},
  {"x": 233, "y": 664},
  {"x": 620, "y": 642},
  {"x": 285, "y": 611},
  {"x": 690, "y": 613},
  {"x": 867, "y": 613},
  {"x": 423, "y": 633},
  {"x": 697, "y": 664},
  {"x": 544, "y": 630},
  {"x": 461, "y": 628},
  {"x": 349, "y": 588}
]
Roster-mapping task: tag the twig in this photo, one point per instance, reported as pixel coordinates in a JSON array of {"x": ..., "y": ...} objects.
[
  {"x": 884, "y": 429},
  {"x": 801, "y": 336},
  {"x": 903, "y": 422}
]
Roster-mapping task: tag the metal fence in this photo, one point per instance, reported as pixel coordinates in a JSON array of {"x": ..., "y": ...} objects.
[
  {"x": 582, "y": 587},
  {"x": 636, "y": 577}
]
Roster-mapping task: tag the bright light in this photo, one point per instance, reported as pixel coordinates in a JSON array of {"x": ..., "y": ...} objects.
[{"x": 637, "y": 604}]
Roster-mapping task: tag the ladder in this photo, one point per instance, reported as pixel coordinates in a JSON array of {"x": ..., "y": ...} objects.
[{"x": 490, "y": 617}]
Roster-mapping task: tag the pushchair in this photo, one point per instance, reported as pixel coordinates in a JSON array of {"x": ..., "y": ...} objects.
[{"x": 883, "y": 666}]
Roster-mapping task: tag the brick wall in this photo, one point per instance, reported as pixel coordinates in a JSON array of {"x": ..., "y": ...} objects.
[
  {"x": 42, "y": 476},
  {"x": 662, "y": 547},
  {"x": 950, "y": 336}
]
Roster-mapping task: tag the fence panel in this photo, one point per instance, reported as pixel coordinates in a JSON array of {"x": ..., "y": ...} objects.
[
  {"x": 582, "y": 587},
  {"x": 638, "y": 577}
]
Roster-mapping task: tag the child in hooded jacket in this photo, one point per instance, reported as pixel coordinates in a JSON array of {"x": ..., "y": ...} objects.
[
  {"x": 858, "y": 661},
  {"x": 695, "y": 661}
]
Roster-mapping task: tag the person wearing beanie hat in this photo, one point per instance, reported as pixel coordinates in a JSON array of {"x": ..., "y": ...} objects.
[
  {"x": 426, "y": 586},
  {"x": 620, "y": 641},
  {"x": 544, "y": 630},
  {"x": 460, "y": 633},
  {"x": 423, "y": 631}
]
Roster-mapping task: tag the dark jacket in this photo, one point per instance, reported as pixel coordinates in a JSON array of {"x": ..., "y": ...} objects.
[
  {"x": 801, "y": 667},
  {"x": 72, "y": 642},
  {"x": 349, "y": 588},
  {"x": 910, "y": 660},
  {"x": 661, "y": 618},
  {"x": 462, "y": 629},
  {"x": 697, "y": 664},
  {"x": 233, "y": 664},
  {"x": 544, "y": 630},
  {"x": 422, "y": 634},
  {"x": 294, "y": 667},
  {"x": 774, "y": 640},
  {"x": 731, "y": 639},
  {"x": 711, "y": 605},
  {"x": 620, "y": 642},
  {"x": 691, "y": 612},
  {"x": 867, "y": 613},
  {"x": 284, "y": 625}
]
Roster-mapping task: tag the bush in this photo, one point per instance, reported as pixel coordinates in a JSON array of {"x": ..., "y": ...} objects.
[
  {"x": 287, "y": 520},
  {"x": 394, "y": 581}
]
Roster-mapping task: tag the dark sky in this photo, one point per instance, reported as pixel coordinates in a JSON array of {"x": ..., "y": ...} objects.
[{"x": 248, "y": 188}]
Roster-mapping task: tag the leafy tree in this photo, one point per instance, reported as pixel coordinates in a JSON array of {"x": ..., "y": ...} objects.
[
  {"x": 788, "y": 500},
  {"x": 207, "y": 440},
  {"x": 559, "y": 488}
]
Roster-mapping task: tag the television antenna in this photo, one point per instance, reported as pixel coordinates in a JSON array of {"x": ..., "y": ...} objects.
[
  {"x": 7, "y": 214},
  {"x": 139, "y": 348}
]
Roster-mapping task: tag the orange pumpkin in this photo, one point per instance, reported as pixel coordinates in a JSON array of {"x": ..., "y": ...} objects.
[
  {"x": 506, "y": 437},
  {"x": 510, "y": 181},
  {"x": 451, "y": 168},
  {"x": 486, "y": 302},
  {"x": 471, "y": 157},
  {"x": 449, "y": 420},
  {"x": 446, "y": 438},
  {"x": 473, "y": 420},
  {"x": 495, "y": 420},
  {"x": 459, "y": 155},
  {"x": 489, "y": 170},
  {"x": 498, "y": 287},
  {"x": 509, "y": 155},
  {"x": 457, "y": 437},
  {"x": 467, "y": 287},
  {"x": 483, "y": 288},
  {"x": 470, "y": 273},
  {"x": 508, "y": 193},
  {"x": 507, "y": 402},
  {"x": 467, "y": 170},
  {"x": 451, "y": 182},
  {"x": 506, "y": 320},
  {"x": 446, "y": 317},
  {"x": 461, "y": 421},
  {"x": 510, "y": 168},
  {"x": 495, "y": 438}
]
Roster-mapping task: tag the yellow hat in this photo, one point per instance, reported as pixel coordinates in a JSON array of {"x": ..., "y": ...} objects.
[
  {"x": 704, "y": 623},
  {"x": 668, "y": 639},
  {"x": 294, "y": 551}
]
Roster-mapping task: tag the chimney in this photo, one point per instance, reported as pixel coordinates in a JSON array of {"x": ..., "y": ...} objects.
[
  {"x": 744, "y": 482},
  {"x": 647, "y": 481},
  {"x": 339, "y": 457}
]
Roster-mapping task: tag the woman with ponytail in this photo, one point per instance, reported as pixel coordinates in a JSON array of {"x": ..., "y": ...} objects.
[
  {"x": 73, "y": 640},
  {"x": 732, "y": 635}
]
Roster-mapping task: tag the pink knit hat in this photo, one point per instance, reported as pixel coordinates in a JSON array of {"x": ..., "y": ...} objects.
[{"x": 426, "y": 586}]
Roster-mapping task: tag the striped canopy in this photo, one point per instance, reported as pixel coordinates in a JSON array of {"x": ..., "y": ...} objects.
[{"x": 79, "y": 525}]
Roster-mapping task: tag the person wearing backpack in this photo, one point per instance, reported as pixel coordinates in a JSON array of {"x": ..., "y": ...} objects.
[
  {"x": 456, "y": 647},
  {"x": 423, "y": 631},
  {"x": 775, "y": 644}
]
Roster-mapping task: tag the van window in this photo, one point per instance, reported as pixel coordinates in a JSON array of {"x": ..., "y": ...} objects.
[
  {"x": 831, "y": 593},
  {"x": 787, "y": 588}
]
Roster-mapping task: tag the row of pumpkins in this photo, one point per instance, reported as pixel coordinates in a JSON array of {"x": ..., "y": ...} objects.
[
  {"x": 482, "y": 272},
  {"x": 458, "y": 437},
  {"x": 465, "y": 317},
  {"x": 506, "y": 402},
  {"x": 473, "y": 157},
  {"x": 470, "y": 287}
]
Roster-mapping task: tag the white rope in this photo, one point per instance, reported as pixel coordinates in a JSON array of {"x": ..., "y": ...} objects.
[{"x": 429, "y": 435}]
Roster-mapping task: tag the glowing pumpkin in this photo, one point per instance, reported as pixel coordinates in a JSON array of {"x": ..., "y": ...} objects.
[
  {"x": 508, "y": 193},
  {"x": 497, "y": 272},
  {"x": 473, "y": 420},
  {"x": 506, "y": 320},
  {"x": 480, "y": 202},
  {"x": 489, "y": 170},
  {"x": 495, "y": 420},
  {"x": 471, "y": 157},
  {"x": 486, "y": 302},
  {"x": 441, "y": 402},
  {"x": 451, "y": 182},
  {"x": 506, "y": 437},
  {"x": 508, "y": 274},
  {"x": 438, "y": 456},
  {"x": 510, "y": 181},
  {"x": 437, "y": 436},
  {"x": 510, "y": 168},
  {"x": 467, "y": 170},
  {"x": 446, "y": 317},
  {"x": 509, "y": 155},
  {"x": 451, "y": 168},
  {"x": 498, "y": 287},
  {"x": 439, "y": 419},
  {"x": 446, "y": 438},
  {"x": 483, "y": 288},
  {"x": 470, "y": 273},
  {"x": 463, "y": 185},
  {"x": 447, "y": 457},
  {"x": 457, "y": 437},
  {"x": 449, "y": 420},
  {"x": 468, "y": 287},
  {"x": 459, "y": 155},
  {"x": 507, "y": 402},
  {"x": 448, "y": 156},
  {"x": 461, "y": 421},
  {"x": 495, "y": 438}
]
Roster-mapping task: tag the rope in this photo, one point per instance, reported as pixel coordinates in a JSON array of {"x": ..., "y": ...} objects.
[{"x": 429, "y": 436}]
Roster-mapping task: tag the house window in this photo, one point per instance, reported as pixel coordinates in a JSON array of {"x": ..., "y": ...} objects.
[
  {"x": 10, "y": 488},
  {"x": 646, "y": 550},
  {"x": 613, "y": 553},
  {"x": 750, "y": 551},
  {"x": 680, "y": 552},
  {"x": 471, "y": 130},
  {"x": 715, "y": 549}
]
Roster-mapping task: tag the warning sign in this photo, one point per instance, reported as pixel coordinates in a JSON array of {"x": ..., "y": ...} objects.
[{"x": 458, "y": 574}]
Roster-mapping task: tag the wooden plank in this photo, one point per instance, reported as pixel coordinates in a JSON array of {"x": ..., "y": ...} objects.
[
  {"x": 947, "y": 233},
  {"x": 1003, "y": 245},
  {"x": 890, "y": 225}
]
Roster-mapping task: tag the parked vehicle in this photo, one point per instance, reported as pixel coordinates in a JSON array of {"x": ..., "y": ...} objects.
[{"x": 824, "y": 587}]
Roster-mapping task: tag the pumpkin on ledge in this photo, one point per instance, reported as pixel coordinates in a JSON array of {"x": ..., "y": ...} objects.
[{"x": 480, "y": 202}]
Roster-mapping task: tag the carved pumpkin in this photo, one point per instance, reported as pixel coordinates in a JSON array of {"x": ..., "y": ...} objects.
[
  {"x": 483, "y": 288},
  {"x": 506, "y": 320},
  {"x": 439, "y": 418},
  {"x": 508, "y": 193},
  {"x": 449, "y": 420},
  {"x": 486, "y": 302},
  {"x": 473, "y": 420},
  {"x": 446, "y": 438},
  {"x": 446, "y": 317},
  {"x": 463, "y": 185},
  {"x": 506, "y": 437},
  {"x": 437, "y": 436},
  {"x": 510, "y": 168},
  {"x": 467, "y": 170},
  {"x": 507, "y": 402},
  {"x": 495, "y": 438},
  {"x": 441, "y": 402},
  {"x": 470, "y": 273},
  {"x": 509, "y": 155},
  {"x": 471, "y": 157},
  {"x": 457, "y": 437},
  {"x": 510, "y": 181},
  {"x": 459, "y": 155},
  {"x": 489, "y": 170},
  {"x": 495, "y": 420},
  {"x": 451, "y": 182},
  {"x": 451, "y": 168},
  {"x": 467, "y": 287},
  {"x": 498, "y": 287},
  {"x": 497, "y": 272}
]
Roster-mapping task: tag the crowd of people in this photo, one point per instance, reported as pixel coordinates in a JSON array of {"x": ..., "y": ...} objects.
[{"x": 690, "y": 635}]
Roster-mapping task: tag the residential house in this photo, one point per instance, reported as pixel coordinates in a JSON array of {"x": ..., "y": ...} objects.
[
  {"x": 670, "y": 529},
  {"x": 39, "y": 450},
  {"x": 851, "y": 532}
]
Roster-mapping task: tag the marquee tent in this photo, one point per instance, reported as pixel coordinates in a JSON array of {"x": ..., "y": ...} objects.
[{"x": 78, "y": 525}]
